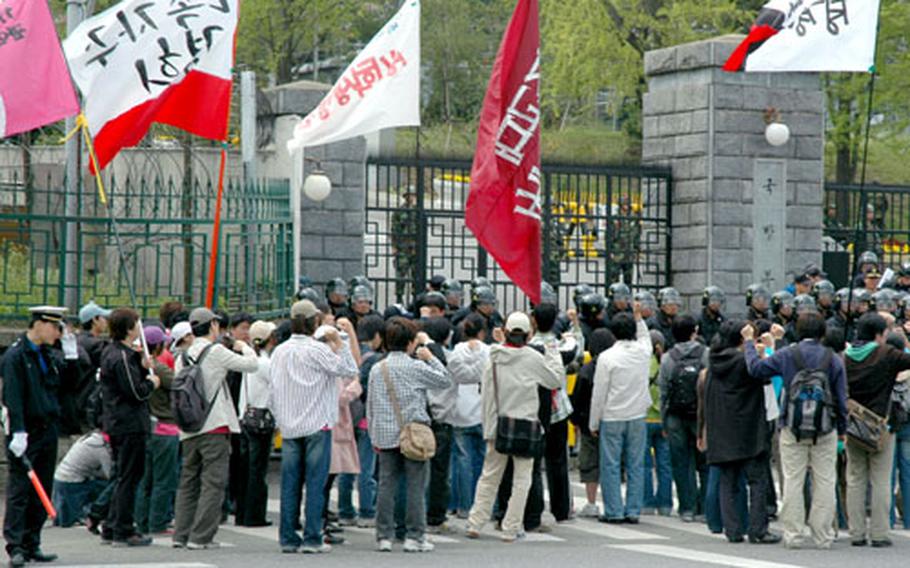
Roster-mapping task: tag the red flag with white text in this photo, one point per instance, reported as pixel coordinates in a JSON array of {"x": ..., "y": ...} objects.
[
  {"x": 504, "y": 206},
  {"x": 140, "y": 62}
]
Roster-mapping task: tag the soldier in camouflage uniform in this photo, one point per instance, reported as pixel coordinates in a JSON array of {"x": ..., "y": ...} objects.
[
  {"x": 626, "y": 241},
  {"x": 405, "y": 234}
]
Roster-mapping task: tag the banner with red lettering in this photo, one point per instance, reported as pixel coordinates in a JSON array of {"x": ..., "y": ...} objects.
[
  {"x": 379, "y": 89},
  {"x": 504, "y": 206},
  {"x": 35, "y": 86}
]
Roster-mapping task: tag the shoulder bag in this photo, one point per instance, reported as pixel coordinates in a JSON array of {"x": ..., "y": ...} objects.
[
  {"x": 864, "y": 427},
  {"x": 256, "y": 420},
  {"x": 516, "y": 436},
  {"x": 415, "y": 441}
]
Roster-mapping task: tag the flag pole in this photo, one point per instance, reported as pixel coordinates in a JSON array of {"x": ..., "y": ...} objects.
[
  {"x": 216, "y": 230},
  {"x": 863, "y": 198}
]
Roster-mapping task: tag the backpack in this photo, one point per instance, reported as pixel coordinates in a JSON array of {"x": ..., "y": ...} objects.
[
  {"x": 188, "y": 401},
  {"x": 808, "y": 399},
  {"x": 682, "y": 391},
  {"x": 900, "y": 405}
]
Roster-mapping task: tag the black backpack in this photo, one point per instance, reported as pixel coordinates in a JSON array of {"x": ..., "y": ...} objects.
[
  {"x": 188, "y": 401},
  {"x": 682, "y": 384},
  {"x": 808, "y": 399}
]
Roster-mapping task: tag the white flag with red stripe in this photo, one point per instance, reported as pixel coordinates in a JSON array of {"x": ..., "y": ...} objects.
[
  {"x": 145, "y": 61},
  {"x": 810, "y": 35}
]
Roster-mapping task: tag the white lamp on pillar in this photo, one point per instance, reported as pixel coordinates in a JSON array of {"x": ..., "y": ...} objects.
[
  {"x": 317, "y": 186},
  {"x": 776, "y": 132}
]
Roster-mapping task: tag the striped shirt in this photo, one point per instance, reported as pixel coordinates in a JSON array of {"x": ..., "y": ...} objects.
[
  {"x": 303, "y": 394},
  {"x": 411, "y": 378}
]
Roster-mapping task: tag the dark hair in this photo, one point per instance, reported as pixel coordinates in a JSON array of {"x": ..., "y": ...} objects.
[
  {"x": 203, "y": 329},
  {"x": 834, "y": 339},
  {"x": 810, "y": 325},
  {"x": 601, "y": 340},
  {"x": 517, "y": 338},
  {"x": 545, "y": 317},
  {"x": 473, "y": 325},
  {"x": 168, "y": 311},
  {"x": 869, "y": 326},
  {"x": 180, "y": 316},
  {"x": 323, "y": 307},
  {"x": 368, "y": 327},
  {"x": 729, "y": 335},
  {"x": 224, "y": 320},
  {"x": 240, "y": 318},
  {"x": 87, "y": 326},
  {"x": 283, "y": 333},
  {"x": 683, "y": 327},
  {"x": 399, "y": 333},
  {"x": 304, "y": 326},
  {"x": 438, "y": 329},
  {"x": 762, "y": 326},
  {"x": 434, "y": 300},
  {"x": 623, "y": 326},
  {"x": 896, "y": 340},
  {"x": 121, "y": 322}
]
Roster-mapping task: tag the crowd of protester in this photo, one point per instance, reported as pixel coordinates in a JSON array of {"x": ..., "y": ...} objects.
[{"x": 440, "y": 411}]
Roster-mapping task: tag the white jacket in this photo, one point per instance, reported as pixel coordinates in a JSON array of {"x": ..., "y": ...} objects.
[
  {"x": 466, "y": 365},
  {"x": 621, "y": 381},
  {"x": 215, "y": 367}
]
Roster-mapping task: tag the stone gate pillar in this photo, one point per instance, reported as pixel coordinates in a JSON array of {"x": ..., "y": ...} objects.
[{"x": 743, "y": 211}]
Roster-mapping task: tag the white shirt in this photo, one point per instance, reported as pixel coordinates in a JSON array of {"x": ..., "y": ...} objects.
[
  {"x": 466, "y": 366},
  {"x": 621, "y": 381},
  {"x": 303, "y": 393},
  {"x": 255, "y": 389}
]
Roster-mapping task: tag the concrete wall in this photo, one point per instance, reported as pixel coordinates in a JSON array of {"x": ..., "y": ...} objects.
[{"x": 708, "y": 125}]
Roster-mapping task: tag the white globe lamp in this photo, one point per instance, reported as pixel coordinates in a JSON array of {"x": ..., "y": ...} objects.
[
  {"x": 777, "y": 134},
  {"x": 317, "y": 186}
]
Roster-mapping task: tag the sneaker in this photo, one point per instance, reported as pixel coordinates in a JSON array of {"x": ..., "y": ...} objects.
[
  {"x": 316, "y": 548},
  {"x": 631, "y": 520},
  {"x": 589, "y": 511},
  {"x": 333, "y": 539},
  {"x": 93, "y": 525},
  {"x": 178, "y": 544},
  {"x": 610, "y": 521},
  {"x": 423, "y": 545},
  {"x": 333, "y": 528},
  {"x": 384, "y": 545},
  {"x": 510, "y": 538},
  {"x": 132, "y": 540},
  {"x": 366, "y": 523},
  {"x": 735, "y": 539},
  {"x": 442, "y": 528},
  {"x": 859, "y": 542},
  {"x": 38, "y": 556},
  {"x": 290, "y": 549},
  {"x": 767, "y": 538},
  {"x": 202, "y": 546},
  {"x": 347, "y": 521},
  {"x": 687, "y": 517},
  {"x": 472, "y": 533},
  {"x": 884, "y": 543}
]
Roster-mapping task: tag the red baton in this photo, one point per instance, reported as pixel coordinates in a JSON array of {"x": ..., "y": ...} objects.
[{"x": 39, "y": 489}]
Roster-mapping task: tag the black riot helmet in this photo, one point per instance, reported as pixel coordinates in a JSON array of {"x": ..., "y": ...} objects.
[
  {"x": 647, "y": 300},
  {"x": 338, "y": 287},
  {"x": 712, "y": 295},
  {"x": 591, "y": 306},
  {"x": 781, "y": 300},
  {"x": 619, "y": 292},
  {"x": 308, "y": 293},
  {"x": 453, "y": 291},
  {"x": 668, "y": 296},
  {"x": 579, "y": 292},
  {"x": 756, "y": 293},
  {"x": 483, "y": 295},
  {"x": 804, "y": 303},
  {"x": 480, "y": 282},
  {"x": 823, "y": 292},
  {"x": 359, "y": 281}
]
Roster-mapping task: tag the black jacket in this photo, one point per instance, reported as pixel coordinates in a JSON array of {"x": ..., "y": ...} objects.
[
  {"x": 125, "y": 391},
  {"x": 736, "y": 424},
  {"x": 870, "y": 380},
  {"x": 709, "y": 325},
  {"x": 581, "y": 396},
  {"x": 29, "y": 393}
]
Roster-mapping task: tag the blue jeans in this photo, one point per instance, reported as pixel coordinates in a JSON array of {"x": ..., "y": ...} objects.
[
  {"x": 72, "y": 500},
  {"x": 657, "y": 456},
  {"x": 366, "y": 483},
  {"x": 712, "y": 501},
  {"x": 901, "y": 475},
  {"x": 158, "y": 488},
  {"x": 622, "y": 442},
  {"x": 308, "y": 457},
  {"x": 470, "y": 450}
]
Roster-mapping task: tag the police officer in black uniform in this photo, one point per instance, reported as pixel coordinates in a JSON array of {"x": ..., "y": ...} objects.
[
  {"x": 713, "y": 301},
  {"x": 31, "y": 378},
  {"x": 783, "y": 315},
  {"x": 548, "y": 295},
  {"x": 620, "y": 300},
  {"x": 823, "y": 293},
  {"x": 648, "y": 307},
  {"x": 591, "y": 314},
  {"x": 668, "y": 303},
  {"x": 453, "y": 290},
  {"x": 336, "y": 294},
  {"x": 757, "y": 300}
]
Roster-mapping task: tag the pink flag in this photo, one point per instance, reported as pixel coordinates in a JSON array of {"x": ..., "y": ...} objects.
[{"x": 35, "y": 86}]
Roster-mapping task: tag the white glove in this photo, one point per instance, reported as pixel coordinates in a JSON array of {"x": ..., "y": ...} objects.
[
  {"x": 19, "y": 444},
  {"x": 68, "y": 342}
]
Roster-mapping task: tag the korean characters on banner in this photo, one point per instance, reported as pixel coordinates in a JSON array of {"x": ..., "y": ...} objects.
[{"x": 11, "y": 29}]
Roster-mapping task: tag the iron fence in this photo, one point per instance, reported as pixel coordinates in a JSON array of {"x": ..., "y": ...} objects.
[
  {"x": 600, "y": 224},
  {"x": 165, "y": 226},
  {"x": 887, "y": 231}
]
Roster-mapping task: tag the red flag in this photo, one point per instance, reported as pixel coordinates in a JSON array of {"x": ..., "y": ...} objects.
[{"x": 504, "y": 206}]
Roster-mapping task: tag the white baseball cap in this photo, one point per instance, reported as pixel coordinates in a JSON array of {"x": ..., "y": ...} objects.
[
  {"x": 179, "y": 331},
  {"x": 518, "y": 322}
]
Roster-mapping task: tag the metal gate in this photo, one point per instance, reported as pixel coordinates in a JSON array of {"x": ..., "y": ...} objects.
[{"x": 600, "y": 224}]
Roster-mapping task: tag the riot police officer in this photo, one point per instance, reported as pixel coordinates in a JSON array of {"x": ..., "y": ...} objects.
[
  {"x": 903, "y": 278},
  {"x": 483, "y": 302},
  {"x": 579, "y": 292},
  {"x": 883, "y": 301},
  {"x": 648, "y": 307},
  {"x": 359, "y": 306},
  {"x": 668, "y": 304},
  {"x": 867, "y": 261},
  {"x": 453, "y": 290},
  {"x": 31, "y": 379},
  {"x": 804, "y": 303},
  {"x": 548, "y": 295},
  {"x": 757, "y": 300},
  {"x": 782, "y": 314},
  {"x": 823, "y": 293},
  {"x": 336, "y": 293},
  {"x": 591, "y": 314},
  {"x": 713, "y": 301},
  {"x": 620, "y": 298}
]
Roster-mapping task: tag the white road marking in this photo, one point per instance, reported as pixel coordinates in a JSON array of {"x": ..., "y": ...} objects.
[
  {"x": 699, "y": 556},
  {"x": 147, "y": 565}
]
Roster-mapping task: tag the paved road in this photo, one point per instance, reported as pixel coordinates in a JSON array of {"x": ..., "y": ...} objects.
[{"x": 655, "y": 542}]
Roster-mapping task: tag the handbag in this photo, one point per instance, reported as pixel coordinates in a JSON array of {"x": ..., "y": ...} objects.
[
  {"x": 516, "y": 436},
  {"x": 416, "y": 441},
  {"x": 864, "y": 427},
  {"x": 256, "y": 420}
]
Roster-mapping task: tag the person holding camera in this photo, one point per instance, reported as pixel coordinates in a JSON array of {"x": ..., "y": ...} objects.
[
  {"x": 396, "y": 400},
  {"x": 510, "y": 389}
]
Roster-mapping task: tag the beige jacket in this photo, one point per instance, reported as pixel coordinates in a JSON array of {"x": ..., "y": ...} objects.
[
  {"x": 519, "y": 371},
  {"x": 215, "y": 367}
]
